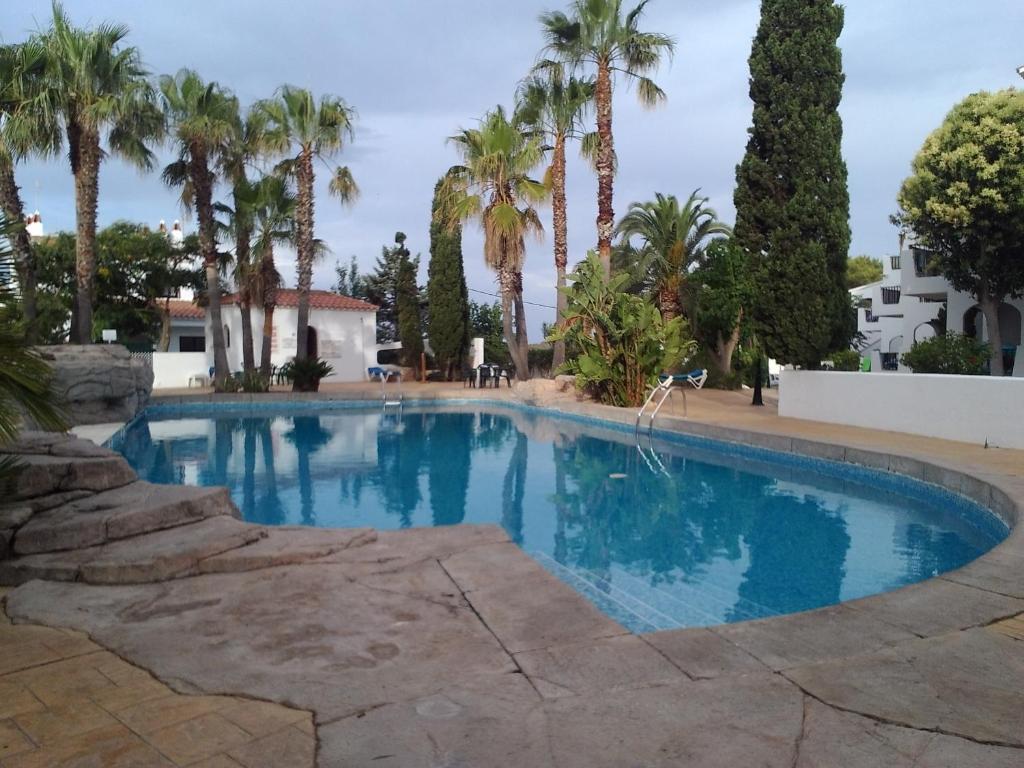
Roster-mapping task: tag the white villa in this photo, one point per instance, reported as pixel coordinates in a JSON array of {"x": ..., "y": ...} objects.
[
  {"x": 911, "y": 302},
  {"x": 342, "y": 331}
]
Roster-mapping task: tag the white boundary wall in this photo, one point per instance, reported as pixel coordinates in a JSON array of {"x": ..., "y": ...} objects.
[
  {"x": 173, "y": 369},
  {"x": 971, "y": 409}
]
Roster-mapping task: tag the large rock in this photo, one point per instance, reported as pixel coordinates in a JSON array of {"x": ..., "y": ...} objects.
[{"x": 100, "y": 383}]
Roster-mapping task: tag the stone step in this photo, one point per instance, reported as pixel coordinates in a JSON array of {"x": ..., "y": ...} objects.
[
  {"x": 159, "y": 556},
  {"x": 44, "y": 475},
  {"x": 131, "y": 510}
]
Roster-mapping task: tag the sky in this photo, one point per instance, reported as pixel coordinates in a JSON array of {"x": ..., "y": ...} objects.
[{"x": 417, "y": 71}]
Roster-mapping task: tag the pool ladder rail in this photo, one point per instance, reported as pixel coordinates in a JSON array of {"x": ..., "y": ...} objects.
[
  {"x": 396, "y": 398},
  {"x": 667, "y": 384}
]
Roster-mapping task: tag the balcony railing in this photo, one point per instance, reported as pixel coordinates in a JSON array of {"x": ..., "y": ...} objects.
[
  {"x": 891, "y": 295},
  {"x": 890, "y": 361}
]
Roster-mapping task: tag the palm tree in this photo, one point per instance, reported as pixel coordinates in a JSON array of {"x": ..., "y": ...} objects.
[
  {"x": 247, "y": 143},
  {"x": 312, "y": 130},
  {"x": 493, "y": 185},
  {"x": 24, "y": 375},
  {"x": 202, "y": 118},
  {"x": 672, "y": 241},
  {"x": 597, "y": 35},
  {"x": 274, "y": 223},
  {"x": 97, "y": 86},
  {"x": 553, "y": 106},
  {"x": 27, "y": 127}
]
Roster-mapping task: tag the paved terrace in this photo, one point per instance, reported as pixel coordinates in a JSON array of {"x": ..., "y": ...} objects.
[{"x": 451, "y": 647}]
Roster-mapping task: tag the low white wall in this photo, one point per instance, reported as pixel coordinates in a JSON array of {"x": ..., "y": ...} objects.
[
  {"x": 173, "y": 369},
  {"x": 970, "y": 409}
]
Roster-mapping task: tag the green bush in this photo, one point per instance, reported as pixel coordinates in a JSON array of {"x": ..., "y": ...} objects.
[
  {"x": 949, "y": 353},
  {"x": 846, "y": 360},
  {"x": 622, "y": 340},
  {"x": 254, "y": 381},
  {"x": 540, "y": 357},
  {"x": 305, "y": 374}
]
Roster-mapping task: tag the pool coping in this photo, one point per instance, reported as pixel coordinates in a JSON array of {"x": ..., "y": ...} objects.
[{"x": 940, "y": 604}]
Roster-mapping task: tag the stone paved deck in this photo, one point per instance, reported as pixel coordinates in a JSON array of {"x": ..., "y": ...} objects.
[{"x": 451, "y": 647}]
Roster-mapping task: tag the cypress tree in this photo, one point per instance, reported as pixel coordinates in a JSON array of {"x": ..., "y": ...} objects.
[
  {"x": 407, "y": 305},
  {"x": 792, "y": 203},
  {"x": 447, "y": 295}
]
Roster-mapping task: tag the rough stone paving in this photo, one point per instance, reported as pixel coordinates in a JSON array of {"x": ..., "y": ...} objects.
[{"x": 451, "y": 647}]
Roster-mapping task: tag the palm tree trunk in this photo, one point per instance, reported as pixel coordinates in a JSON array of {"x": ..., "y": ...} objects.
[
  {"x": 243, "y": 234},
  {"x": 202, "y": 184},
  {"x": 990, "y": 309},
  {"x": 21, "y": 244},
  {"x": 605, "y": 165},
  {"x": 269, "y": 302},
  {"x": 85, "y": 164},
  {"x": 559, "y": 225},
  {"x": 523, "y": 372},
  {"x": 163, "y": 309},
  {"x": 668, "y": 301},
  {"x": 506, "y": 280},
  {"x": 304, "y": 246}
]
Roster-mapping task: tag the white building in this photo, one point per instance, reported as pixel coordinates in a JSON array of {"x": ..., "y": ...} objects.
[
  {"x": 912, "y": 302},
  {"x": 342, "y": 331}
]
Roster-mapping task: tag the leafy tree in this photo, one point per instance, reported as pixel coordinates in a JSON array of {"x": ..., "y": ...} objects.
[
  {"x": 721, "y": 291},
  {"x": 96, "y": 85},
  {"x": 202, "y": 118},
  {"x": 305, "y": 129},
  {"x": 965, "y": 202},
  {"x": 447, "y": 294},
  {"x": 673, "y": 239},
  {"x": 494, "y": 185},
  {"x": 554, "y": 106},
  {"x": 485, "y": 321},
  {"x": 24, "y": 375},
  {"x": 862, "y": 270},
  {"x": 380, "y": 288},
  {"x": 792, "y": 204},
  {"x": 407, "y": 300},
  {"x": 597, "y": 35},
  {"x": 349, "y": 281},
  {"x": 137, "y": 270},
  {"x": 624, "y": 343},
  {"x": 26, "y": 128}
]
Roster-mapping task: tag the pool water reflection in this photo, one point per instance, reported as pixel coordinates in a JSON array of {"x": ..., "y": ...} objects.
[{"x": 714, "y": 538}]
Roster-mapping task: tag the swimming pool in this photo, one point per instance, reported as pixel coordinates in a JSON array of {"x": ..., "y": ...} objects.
[{"x": 678, "y": 532}]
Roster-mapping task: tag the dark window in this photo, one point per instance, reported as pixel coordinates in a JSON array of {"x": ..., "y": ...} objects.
[{"x": 192, "y": 344}]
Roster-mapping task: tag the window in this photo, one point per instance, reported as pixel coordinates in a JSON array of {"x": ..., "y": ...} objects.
[
  {"x": 192, "y": 344},
  {"x": 227, "y": 337}
]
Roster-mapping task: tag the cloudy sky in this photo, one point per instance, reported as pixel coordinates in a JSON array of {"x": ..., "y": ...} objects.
[{"x": 418, "y": 70}]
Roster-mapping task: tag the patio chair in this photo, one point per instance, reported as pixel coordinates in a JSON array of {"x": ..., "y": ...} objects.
[
  {"x": 696, "y": 377},
  {"x": 468, "y": 377},
  {"x": 483, "y": 373}
]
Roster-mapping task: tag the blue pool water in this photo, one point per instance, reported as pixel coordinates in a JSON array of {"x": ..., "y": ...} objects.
[{"x": 686, "y": 533}]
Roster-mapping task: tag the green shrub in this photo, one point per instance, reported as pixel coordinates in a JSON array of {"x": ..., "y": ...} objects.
[
  {"x": 846, "y": 360},
  {"x": 622, "y": 340},
  {"x": 305, "y": 374},
  {"x": 254, "y": 381},
  {"x": 540, "y": 357},
  {"x": 949, "y": 353}
]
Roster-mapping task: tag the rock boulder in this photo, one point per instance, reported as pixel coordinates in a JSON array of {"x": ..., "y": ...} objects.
[{"x": 100, "y": 383}]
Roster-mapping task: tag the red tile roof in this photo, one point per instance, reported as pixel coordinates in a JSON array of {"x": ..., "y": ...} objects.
[
  {"x": 186, "y": 310},
  {"x": 289, "y": 297}
]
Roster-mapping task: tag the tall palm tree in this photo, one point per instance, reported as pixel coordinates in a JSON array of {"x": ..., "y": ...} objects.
[
  {"x": 493, "y": 185},
  {"x": 672, "y": 241},
  {"x": 246, "y": 145},
  {"x": 274, "y": 223},
  {"x": 202, "y": 119},
  {"x": 554, "y": 106},
  {"x": 305, "y": 130},
  {"x": 27, "y": 127},
  {"x": 98, "y": 87},
  {"x": 595, "y": 34}
]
